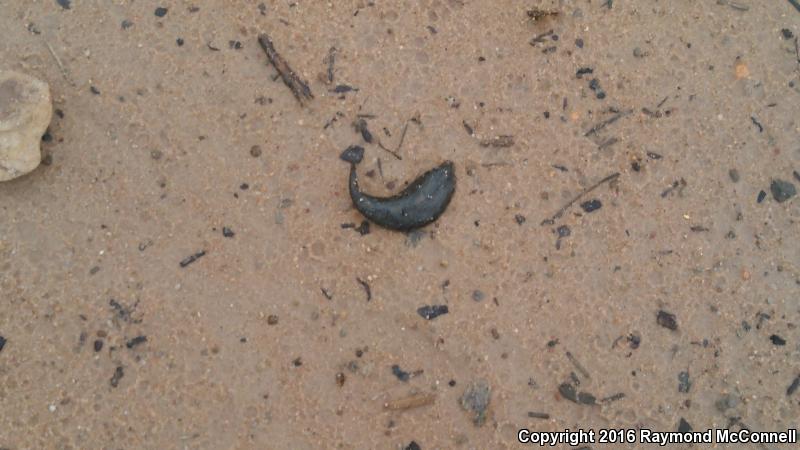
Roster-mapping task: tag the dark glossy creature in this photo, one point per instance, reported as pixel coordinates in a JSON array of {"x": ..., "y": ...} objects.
[{"x": 419, "y": 204}]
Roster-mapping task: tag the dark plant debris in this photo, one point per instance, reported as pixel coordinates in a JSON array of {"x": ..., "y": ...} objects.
[
  {"x": 684, "y": 383},
  {"x": 667, "y": 320},
  {"x": 119, "y": 372},
  {"x": 500, "y": 141},
  {"x": 192, "y": 258},
  {"x": 296, "y": 84},
  {"x": 551, "y": 220},
  {"x": 789, "y": 391},
  {"x": 538, "y": 415},
  {"x": 136, "y": 341},
  {"x": 430, "y": 312},
  {"x": 366, "y": 287}
]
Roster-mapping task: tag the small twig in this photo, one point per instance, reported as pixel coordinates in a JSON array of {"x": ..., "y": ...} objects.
[
  {"x": 298, "y": 87},
  {"x": 413, "y": 401},
  {"x": 391, "y": 152},
  {"x": 400, "y": 144},
  {"x": 366, "y": 287},
  {"x": 578, "y": 365},
  {"x": 736, "y": 6},
  {"x": 607, "y": 143},
  {"x": 608, "y": 122},
  {"x": 538, "y": 415},
  {"x": 61, "y": 67},
  {"x": 330, "y": 59},
  {"x": 192, "y": 258},
  {"x": 539, "y": 38},
  {"x": 564, "y": 208}
]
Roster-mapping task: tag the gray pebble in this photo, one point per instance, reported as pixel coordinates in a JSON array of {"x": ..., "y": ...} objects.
[{"x": 782, "y": 190}]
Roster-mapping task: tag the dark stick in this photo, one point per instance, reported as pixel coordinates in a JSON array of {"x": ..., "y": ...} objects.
[
  {"x": 331, "y": 60},
  {"x": 389, "y": 151},
  {"x": 366, "y": 287},
  {"x": 192, "y": 258},
  {"x": 400, "y": 144},
  {"x": 795, "y": 3},
  {"x": 564, "y": 208},
  {"x": 298, "y": 87},
  {"x": 608, "y": 122}
]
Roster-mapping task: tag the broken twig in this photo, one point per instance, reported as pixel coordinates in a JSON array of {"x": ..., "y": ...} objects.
[
  {"x": 564, "y": 208},
  {"x": 296, "y": 84}
]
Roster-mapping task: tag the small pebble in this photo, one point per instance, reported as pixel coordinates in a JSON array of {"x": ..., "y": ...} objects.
[
  {"x": 520, "y": 219},
  {"x": 761, "y": 196},
  {"x": 161, "y": 12},
  {"x": 126, "y": 24},
  {"x": 413, "y": 446},
  {"x": 787, "y": 33},
  {"x": 227, "y": 232},
  {"x": 2, "y": 343},
  {"x": 430, "y": 312},
  {"x": 272, "y": 319},
  {"x": 782, "y": 190},
  {"x": 255, "y": 151},
  {"x": 667, "y": 320},
  {"x": 591, "y": 205},
  {"x": 478, "y": 295},
  {"x": 98, "y": 345},
  {"x": 563, "y": 231},
  {"x": 579, "y": 43},
  {"x": 683, "y": 426},
  {"x": 734, "y": 174},
  {"x": 179, "y": 41}
]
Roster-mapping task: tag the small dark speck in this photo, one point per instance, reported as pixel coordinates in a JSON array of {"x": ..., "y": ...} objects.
[
  {"x": 136, "y": 341},
  {"x": 179, "y": 41},
  {"x": 667, "y": 320},
  {"x": 478, "y": 295},
  {"x": 412, "y": 446},
  {"x": 236, "y": 45},
  {"x": 64, "y": 3},
  {"x": 787, "y": 33},
  {"x": 98, "y": 345},
  {"x": 579, "y": 43},
  {"x": 94, "y": 90},
  {"x": 520, "y": 219},
  {"x": 451, "y": 383},
  {"x": 761, "y": 196},
  {"x": 126, "y": 24},
  {"x": 227, "y": 232},
  {"x": 297, "y": 362},
  {"x": 563, "y": 231},
  {"x": 2, "y": 343},
  {"x": 591, "y": 205},
  {"x": 161, "y": 12},
  {"x": 777, "y": 340},
  {"x": 244, "y": 186}
]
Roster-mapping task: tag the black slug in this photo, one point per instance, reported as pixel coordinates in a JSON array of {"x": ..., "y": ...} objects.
[{"x": 419, "y": 204}]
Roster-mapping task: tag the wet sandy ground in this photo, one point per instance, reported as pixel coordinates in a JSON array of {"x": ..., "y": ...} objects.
[{"x": 170, "y": 128}]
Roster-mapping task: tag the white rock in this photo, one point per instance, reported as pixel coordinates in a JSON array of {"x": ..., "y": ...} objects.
[{"x": 25, "y": 112}]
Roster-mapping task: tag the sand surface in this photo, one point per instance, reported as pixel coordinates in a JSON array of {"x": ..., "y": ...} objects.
[{"x": 681, "y": 291}]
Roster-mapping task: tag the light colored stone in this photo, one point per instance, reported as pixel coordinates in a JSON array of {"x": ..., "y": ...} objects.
[{"x": 25, "y": 112}]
